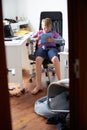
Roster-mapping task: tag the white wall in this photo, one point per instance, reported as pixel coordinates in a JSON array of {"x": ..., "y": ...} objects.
[
  {"x": 9, "y": 7},
  {"x": 30, "y": 9}
]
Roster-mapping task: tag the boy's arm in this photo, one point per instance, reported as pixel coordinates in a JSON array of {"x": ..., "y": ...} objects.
[
  {"x": 37, "y": 36},
  {"x": 50, "y": 39},
  {"x": 58, "y": 39}
]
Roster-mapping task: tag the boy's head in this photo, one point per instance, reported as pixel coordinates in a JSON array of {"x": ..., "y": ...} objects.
[{"x": 46, "y": 24}]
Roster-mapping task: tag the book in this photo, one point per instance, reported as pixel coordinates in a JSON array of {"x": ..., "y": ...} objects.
[{"x": 44, "y": 36}]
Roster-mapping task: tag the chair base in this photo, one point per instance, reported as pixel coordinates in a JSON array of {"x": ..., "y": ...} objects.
[{"x": 46, "y": 71}]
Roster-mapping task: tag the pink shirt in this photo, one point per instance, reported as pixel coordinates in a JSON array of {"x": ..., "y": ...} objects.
[{"x": 54, "y": 35}]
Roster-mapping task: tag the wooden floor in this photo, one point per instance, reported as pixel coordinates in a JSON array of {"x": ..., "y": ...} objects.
[{"x": 22, "y": 108}]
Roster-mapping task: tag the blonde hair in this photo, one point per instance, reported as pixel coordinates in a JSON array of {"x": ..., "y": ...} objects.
[{"x": 47, "y": 22}]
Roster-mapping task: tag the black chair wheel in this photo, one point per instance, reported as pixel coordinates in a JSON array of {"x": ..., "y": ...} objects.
[
  {"x": 46, "y": 74},
  {"x": 30, "y": 80},
  {"x": 48, "y": 82},
  {"x": 53, "y": 73}
]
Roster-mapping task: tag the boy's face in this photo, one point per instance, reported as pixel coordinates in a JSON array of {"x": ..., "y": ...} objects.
[{"x": 46, "y": 28}]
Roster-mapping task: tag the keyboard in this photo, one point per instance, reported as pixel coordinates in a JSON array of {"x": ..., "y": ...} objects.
[{"x": 13, "y": 38}]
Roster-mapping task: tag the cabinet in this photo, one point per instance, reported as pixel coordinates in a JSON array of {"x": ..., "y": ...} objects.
[
  {"x": 17, "y": 58},
  {"x": 64, "y": 65}
]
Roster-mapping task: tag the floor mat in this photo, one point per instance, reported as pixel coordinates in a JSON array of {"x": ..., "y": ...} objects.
[{"x": 14, "y": 89}]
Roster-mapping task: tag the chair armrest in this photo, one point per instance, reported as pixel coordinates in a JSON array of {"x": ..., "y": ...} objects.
[
  {"x": 56, "y": 88},
  {"x": 31, "y": 41},
  {"x": 60, "y": 42}
]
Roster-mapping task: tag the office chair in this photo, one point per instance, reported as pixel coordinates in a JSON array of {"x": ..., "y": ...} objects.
[
  {"x": 55, "y": 105},
  {"x": 56, "y": 18},
  {"x": 58, "y": 101},
  {"x": 54, "y": 89}
]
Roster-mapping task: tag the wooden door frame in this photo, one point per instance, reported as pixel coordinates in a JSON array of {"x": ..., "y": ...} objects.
[
  {"x": 5, "y": 116},
  {"x": 77, "y": 24}
]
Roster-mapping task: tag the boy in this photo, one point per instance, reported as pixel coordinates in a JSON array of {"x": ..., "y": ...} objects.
[{"x": 48, "y": 50}]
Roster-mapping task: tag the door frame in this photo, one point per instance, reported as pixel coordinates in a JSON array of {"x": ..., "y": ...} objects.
[{"x": 5, "y": 115}]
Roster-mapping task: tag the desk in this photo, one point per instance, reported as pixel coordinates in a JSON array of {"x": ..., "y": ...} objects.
[
  {"x": 64, "y": 65},
  {"x": 17, "y": 58}
]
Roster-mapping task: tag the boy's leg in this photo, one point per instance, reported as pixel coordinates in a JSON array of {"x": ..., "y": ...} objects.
[
  {"x": 38, "y": 87},
  {"x": 40, "y": 55},
  {"x": 39, "y": 61},
  {"x": 53, "y": 55},
  {"x": 56, "y": 64}
]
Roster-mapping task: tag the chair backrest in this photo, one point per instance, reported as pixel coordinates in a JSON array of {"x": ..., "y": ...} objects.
[{"x": 56, "y": 18}]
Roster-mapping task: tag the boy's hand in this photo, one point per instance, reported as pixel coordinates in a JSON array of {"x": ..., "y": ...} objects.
[
  {"x": 50, "y": 39},
  {"x": 38, "y": 38}
]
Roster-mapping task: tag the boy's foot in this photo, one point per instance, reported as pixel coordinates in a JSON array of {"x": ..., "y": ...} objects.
[{"x": 36, "y": 90}]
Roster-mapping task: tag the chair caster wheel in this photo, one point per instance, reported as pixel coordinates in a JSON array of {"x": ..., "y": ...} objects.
[
  {"x": 46, "y": 74},
  {"x": 53, "y": 74},
  {"x": 30, "y": 80},
  {"x": 48, "y": 82}
]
